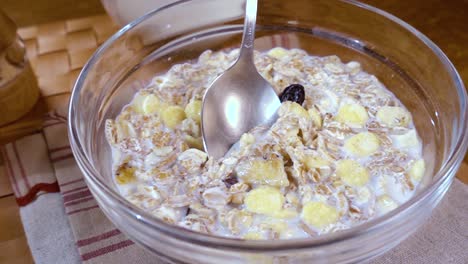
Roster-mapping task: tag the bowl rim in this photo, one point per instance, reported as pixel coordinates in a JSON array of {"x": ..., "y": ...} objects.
[{"x": 443, "y": 177}]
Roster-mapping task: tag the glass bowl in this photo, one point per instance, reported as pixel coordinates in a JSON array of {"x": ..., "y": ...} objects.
[{"x": 408, "y": 63}]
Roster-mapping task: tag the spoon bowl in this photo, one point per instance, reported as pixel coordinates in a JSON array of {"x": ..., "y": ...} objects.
[{"x": 239, "y": 99}]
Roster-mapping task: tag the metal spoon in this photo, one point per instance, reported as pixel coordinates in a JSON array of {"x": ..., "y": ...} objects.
[{"x": 239, "y": 99}]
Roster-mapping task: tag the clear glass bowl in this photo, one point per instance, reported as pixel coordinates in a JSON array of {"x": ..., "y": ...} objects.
[{"x": 408, "y": 63}]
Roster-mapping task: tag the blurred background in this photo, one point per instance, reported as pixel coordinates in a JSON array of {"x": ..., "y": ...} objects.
[
  {"x": 31, "y": 12},
  {"x": 445, "y": 22}
]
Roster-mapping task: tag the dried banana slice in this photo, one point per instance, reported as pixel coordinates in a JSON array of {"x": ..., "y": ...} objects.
[
  {"x": 193, "y": 110},
  {"x": 125, "y": 175},
  {"x": 362, "y": 144},
  {"x": 264, "y": 200},
  {"x": 406, "y": 141},
  {"x": 264, "y": 172},
  {"x": 352, "y": 115},
  {"x": 352, "y": 173},
  {"x": 393, "y": 116},
  {"x": 151, "y": 104},
  {"x": 315, "y": 162},
  {"x": 385, "y": 204},
  {"x": 277, "y": 53},
  {"x": 254, "y": 236},
  {"x": 319, "y": 214},
  {"x": 173, "y": 115},
  {"x": 146, "y": 103},
  {"x": 289, "y": 107},
  {"x": 246, "y": 140},
  {"x": 193, "y": 142},
  {"x": 417, "y": 170},
  {"x": 316, "y": 117}
]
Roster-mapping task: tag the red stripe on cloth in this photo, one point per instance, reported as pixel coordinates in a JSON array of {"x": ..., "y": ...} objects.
[
  {"x": 78, "y": 202},
  {"x": 58, "y": 149},
  {"x": 284, "y": 41},
  {"x": 20, "y": 164},
  {"x": 74, "y": 190},
  {"x": 94, "y": 239},
  {"x": 273, "y": 41},
  {"x": 64, "y": 157},
  {"x": 106, "y": 250},
  {"x": 31, "y": 195},
  {"x": 71, "y": 182},
  {"x": 71, "y": 197},
  {"x": 9, "y": 170},
  {"x": 82, "y": 210}
]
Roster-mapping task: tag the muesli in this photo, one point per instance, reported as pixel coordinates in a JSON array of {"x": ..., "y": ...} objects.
[{"x": 344, "y": 150}]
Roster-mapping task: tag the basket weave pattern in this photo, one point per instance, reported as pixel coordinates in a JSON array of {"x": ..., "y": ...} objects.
[{"x": 57, "y": 51}]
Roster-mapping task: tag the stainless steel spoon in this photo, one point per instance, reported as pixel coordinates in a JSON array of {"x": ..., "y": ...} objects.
[{"x": 239, "y": 99}]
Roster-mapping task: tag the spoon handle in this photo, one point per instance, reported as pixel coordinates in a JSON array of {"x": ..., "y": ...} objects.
[{"x": 248, "y": 35}]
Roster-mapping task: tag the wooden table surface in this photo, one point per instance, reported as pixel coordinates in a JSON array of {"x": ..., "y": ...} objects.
[{"x": 445, "y": 22}]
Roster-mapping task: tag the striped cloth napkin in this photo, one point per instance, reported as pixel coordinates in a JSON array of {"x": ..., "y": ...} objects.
[
  {"x": 43, "y": 163},
  {"x": 64, "y": 224}
]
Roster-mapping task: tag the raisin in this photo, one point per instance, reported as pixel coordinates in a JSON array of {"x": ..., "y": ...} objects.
[
  {"x": 294, "y": 92},
  {"x": 230, "y": 180}
]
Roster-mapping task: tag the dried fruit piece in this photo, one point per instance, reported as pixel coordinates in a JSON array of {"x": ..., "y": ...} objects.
[
  {"x": 319, "y": 214},
  {"x": 193, "y": 110},
  {"x": 151, "y": 104},
  {"x": 352, "y": 173},
  {"x": 316, "y": 117},
  {"x": 353, "y": 67},
  {"x": 386, "y": 204},
  {"x": 292, "y": 108},
  {"x": 315, "y": 162},
  {"x": 125, "y": 175},
  {"x": 417, "y": 170},
  {"x": 230, "y": 180},
  {"x": 294, "y": 93},
  {"x": 253, "y": 236},
  {"x": 264, "y": 172},
  {"x": 393, "y": 116},
  {"x": 193, "y": 142},
  {"x": 362, "y": 144},
  {"x": 352, "y": 115},
  {"x": 408, "y": 140},
  {"x": 264, "y": 200},
  {"x": 247, "y": 139},
  {"x": 277, "y": 53},
  {"x": 173, "y": 115}
]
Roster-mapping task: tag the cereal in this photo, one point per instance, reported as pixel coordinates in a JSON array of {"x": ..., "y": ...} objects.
[
  {"x": 319, "y": 214},
  {"x": 352, "y": 173},
  {"x": 343, "y": 151},
  {"x": 393, "y": 116},
  {"x": 352, "y": 115},
  {"x": 362, "y": 144}
]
